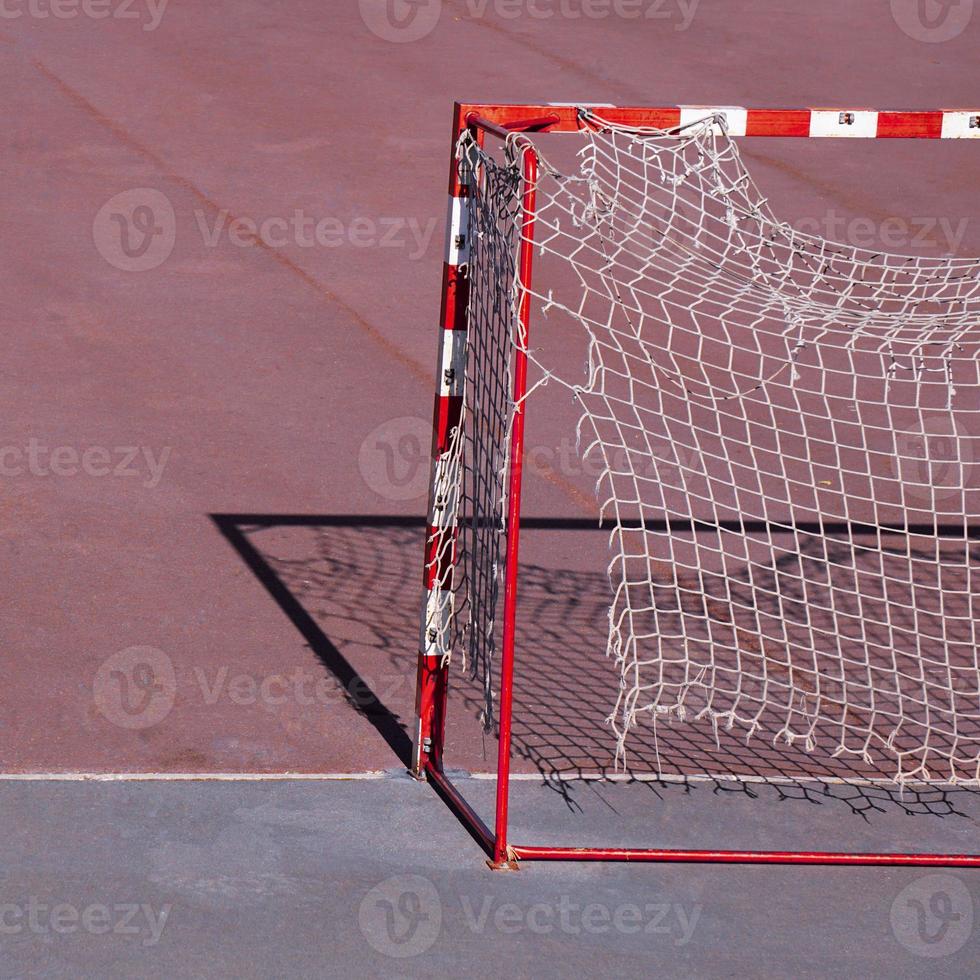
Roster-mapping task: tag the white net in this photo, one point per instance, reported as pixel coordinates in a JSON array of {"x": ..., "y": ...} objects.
[{"x": 787, "y": 432}]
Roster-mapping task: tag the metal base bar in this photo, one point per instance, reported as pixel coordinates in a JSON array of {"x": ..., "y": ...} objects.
[
  {"x": 515, "y": 853},
  {"x": 742, "y": 857},
  {"x": 464, "y": 812}
]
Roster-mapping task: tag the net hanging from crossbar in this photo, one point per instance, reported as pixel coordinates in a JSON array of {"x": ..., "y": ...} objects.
[{"x": 787, "y": 430}]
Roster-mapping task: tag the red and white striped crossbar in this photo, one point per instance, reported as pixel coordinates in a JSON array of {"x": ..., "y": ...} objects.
[{"x": 839, "y": 122}]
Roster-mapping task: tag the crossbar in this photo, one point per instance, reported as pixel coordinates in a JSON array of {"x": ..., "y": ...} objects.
[{"x": 844, "y": 121}]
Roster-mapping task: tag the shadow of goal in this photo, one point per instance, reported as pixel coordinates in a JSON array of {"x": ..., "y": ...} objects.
[{"x": 349, "y": 584}]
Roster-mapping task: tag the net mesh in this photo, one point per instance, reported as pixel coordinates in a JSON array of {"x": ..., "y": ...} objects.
[{"x": 786, "y": 432}]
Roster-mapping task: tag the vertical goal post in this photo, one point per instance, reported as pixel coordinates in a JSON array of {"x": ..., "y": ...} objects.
[{"x": 517, "y": 127}]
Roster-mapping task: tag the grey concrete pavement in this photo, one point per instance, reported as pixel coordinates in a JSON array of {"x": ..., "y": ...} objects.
[{"x": 376, "y": 878}]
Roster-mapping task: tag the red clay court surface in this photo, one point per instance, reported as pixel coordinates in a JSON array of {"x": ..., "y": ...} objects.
[{"x": 246, "y": 378}]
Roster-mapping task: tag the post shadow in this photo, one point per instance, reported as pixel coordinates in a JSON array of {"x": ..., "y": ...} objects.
[{"x": 235, "y": 528}]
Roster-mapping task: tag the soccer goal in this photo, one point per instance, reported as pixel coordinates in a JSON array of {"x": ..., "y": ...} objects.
[{"x": 788, "y": 553}]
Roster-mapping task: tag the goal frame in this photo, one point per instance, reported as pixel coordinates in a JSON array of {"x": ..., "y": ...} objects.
[{"x": 501, "y": 122}]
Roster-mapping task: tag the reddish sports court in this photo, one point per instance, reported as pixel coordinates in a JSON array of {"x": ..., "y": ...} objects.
[{"x": 216, "y": 470}]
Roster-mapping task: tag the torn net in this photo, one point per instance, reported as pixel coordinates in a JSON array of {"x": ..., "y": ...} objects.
[{"x": 788, "y": 433}]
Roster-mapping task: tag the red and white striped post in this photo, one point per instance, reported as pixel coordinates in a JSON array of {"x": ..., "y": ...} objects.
[
  {"x": 442, "y": 530},
  {"x": 442, "y": 527}
]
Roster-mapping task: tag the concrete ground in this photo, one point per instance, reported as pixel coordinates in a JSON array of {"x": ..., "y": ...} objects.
[{"x": 373, "y": 877}]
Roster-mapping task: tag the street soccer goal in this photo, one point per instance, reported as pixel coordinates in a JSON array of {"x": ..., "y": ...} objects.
[{"x": 789, "y": 555}]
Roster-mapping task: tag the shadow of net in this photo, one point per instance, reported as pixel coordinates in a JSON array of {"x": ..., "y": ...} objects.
[{"x": 361, "y": 584}]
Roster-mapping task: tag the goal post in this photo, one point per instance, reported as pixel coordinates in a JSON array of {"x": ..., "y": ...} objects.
[{"x": 730, "y": 362}]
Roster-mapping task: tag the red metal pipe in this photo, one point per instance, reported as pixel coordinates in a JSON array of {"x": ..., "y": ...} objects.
[
  {"x": 741, "y": 857},
  {"x": 912, "y": 124},
  {"x": 528, "y": 203},
  {"x": 504, "y": 130},
  {"x": 463, "y": 810}
]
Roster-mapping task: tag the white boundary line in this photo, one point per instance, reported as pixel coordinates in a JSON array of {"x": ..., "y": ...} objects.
[
  {"x": 883, "y": 781},
  {"x": 218, "y": 777},
  {"x": 524, "y": 777}
]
